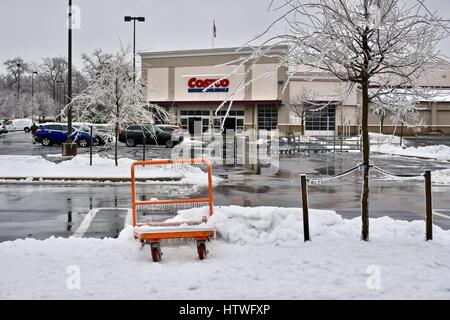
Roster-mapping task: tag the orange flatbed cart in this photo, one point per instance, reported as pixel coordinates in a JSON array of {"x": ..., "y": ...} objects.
[{"x": 152, "y": 233}]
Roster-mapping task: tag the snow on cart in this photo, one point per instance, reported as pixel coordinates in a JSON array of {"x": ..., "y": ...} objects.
[{"x": 152, "y": 233}]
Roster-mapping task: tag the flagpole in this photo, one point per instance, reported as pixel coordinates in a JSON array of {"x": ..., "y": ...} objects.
[{"x": 213, "y": 33}]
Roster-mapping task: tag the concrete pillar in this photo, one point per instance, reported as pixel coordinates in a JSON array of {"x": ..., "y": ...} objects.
[{"x": 434, "y": 116}]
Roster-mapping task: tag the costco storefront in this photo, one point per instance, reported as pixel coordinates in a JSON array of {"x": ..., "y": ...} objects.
[{"x": 177, "y": 80}]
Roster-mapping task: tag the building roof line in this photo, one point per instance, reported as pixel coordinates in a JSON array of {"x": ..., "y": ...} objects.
[{"x": 205, "y": 52}]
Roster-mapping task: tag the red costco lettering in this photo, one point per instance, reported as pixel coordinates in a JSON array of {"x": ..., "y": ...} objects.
[
  {"x": 202, "y": 84},
  {"x": 191, "y": 83}
]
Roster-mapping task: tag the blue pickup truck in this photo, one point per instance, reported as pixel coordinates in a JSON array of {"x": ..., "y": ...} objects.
[{"x": 56, "y": 133}]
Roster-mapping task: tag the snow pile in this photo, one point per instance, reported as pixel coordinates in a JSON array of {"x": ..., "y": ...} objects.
[
  {"x": 104, "y": 168},
  {"x": 440, "y": 176},
  {"x": 438, "y": 152},
  {"x": 379, "y": 138},
  {"x": 271, "y": 225},
  {"x": 261, "y": 256}
]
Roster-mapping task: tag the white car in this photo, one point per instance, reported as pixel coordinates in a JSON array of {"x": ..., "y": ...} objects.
[
  {"x": 19, "y": 125},
  {"x": 3, "y": 127}
]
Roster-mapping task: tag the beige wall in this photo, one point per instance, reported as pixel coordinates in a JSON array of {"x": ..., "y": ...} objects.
[
  {"x": 167, "y": 74},
  {"x": 320, "y": 90},
  {"x": 158, "y": 84}
]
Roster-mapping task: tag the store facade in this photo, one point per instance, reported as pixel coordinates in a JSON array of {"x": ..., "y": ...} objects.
[{"x": 177, "y": 80}]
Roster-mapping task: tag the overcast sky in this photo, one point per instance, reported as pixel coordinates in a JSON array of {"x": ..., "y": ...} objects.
[{"x": 33, "y": 29}]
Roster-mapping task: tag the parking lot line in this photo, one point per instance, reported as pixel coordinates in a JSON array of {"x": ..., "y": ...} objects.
[
  {"x": 441, "y": 214},
  {"x": 85, "y": 223}
]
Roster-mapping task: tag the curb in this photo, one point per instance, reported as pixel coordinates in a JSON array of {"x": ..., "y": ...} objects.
[
  {"x": 4, "y": 180},
  {"x": 410, "y": 156}
]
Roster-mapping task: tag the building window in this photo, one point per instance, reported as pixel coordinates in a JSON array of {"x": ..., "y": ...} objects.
[
  {"x": 234, "y": 121},
  {"x": 267, "y": 117},
  {"x": 192, "y": 119},
  {"x": 321, "y": 118}
]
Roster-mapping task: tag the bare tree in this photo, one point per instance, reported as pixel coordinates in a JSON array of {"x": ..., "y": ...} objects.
[
  {"x": 114, "y": 98},
  {"x": 44, "y": 106},
  {"x": 95, "y": 63},
  {"x": 375, "y": 46},
  {"x": 8, "y": 101},
  {"x": 16, "y": 68},
  {"x": 382, "y": 111},
  {"x": 50, "y": 71},
  {"x": 300, "y": 105}
]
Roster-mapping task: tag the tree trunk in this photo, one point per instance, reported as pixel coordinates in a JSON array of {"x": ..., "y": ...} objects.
[
  {"x": 303, "y": 125},
  {"x": 116, "y": 144},
  {"x": 381, "y": 124},
  {"x": 401, "y": 134},
  {"x": 366, "y": 154}
]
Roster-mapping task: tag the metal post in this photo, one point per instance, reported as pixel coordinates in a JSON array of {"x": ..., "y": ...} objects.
[
  {"x": 305, "y": 209},
  {"x": 69, "y": 77},
  {"x": 134, "y": 51},
  {"x": 144, "y": 145},
  {"x": 90, "y": 145},
  {"x": 429, "y": 206},
  {"x": 334, "y": 140},
  {"x": 32, "y": 94},
  {"x": 19, "y": 67},
  {"x": 69, "y": 148}
]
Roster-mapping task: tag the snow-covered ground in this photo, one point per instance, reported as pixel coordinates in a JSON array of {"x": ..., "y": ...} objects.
[
  {"x": 259, "y": 254},
  {"x": 78, "y": 167},
  {"x": 388, "y": 144},
  {"x": 438, "y": 152}
]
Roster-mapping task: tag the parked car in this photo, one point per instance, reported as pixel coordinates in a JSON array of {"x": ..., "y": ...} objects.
[
  {"x": 3, "y": 127},
  {"x": 19, "y": 125},
  {"x": 154, "y": 135},
  {"x": 100, "y": 133},
  {"x": 51, "y": 133}
]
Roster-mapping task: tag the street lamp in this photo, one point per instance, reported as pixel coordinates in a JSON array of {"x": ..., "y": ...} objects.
[
  {"x": 69, "y": 148},
  {"x": 32, "y": 92},
  {"x": 19, "y": 66},
  {"x": 134, "y": 19}
]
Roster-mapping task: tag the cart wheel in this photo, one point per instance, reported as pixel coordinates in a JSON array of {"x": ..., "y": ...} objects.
[
  {"x": 156, "y": 252},
  {"x": 201, "y": 249}
]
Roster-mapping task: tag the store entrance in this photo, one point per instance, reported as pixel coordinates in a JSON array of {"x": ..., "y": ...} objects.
[
  {"x": 230, "y": 124},
  {"x": 195, "y": 125}
]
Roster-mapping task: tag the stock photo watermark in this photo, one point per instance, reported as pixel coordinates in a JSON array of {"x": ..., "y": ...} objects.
[
  {"x": 251, "y": 148},
  {"x": 373, "y": 281},
  {"x": 73, "y": 281},
  {"x": 74, "y": 17}
]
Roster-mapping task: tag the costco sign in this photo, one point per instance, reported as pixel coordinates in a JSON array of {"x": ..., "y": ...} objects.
[{"x": 199, "y": 85}]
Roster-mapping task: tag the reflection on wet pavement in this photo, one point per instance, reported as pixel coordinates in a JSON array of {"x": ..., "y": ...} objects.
[{"x": 40, "y": 211}]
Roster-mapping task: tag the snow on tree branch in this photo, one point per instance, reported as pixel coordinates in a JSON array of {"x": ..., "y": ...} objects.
[{"x": 113, "y": 98}]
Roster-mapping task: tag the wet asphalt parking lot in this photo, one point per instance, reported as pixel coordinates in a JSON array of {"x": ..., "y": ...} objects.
[{"x": 43, "y": 210}]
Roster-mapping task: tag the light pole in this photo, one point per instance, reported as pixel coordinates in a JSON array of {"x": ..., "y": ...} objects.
[
  {"x": 60, "y": 99},
  {"x": 32, "y": 92},
  {"x": 69, "y": 148},
  {"x": 134, "y": 19},
  {"x": 19, "y": 67}
]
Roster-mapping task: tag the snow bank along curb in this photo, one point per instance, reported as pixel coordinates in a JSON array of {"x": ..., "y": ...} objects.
[
  {"x": 438, "y": 153},
  {"x": 36, "y": 169},
  {"x": 260, "y": 255}
]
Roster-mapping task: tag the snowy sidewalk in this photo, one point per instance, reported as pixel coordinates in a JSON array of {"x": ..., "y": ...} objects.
[
  {"x": 36, "y": 168},
  {"x": 260, "y": 255}
]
